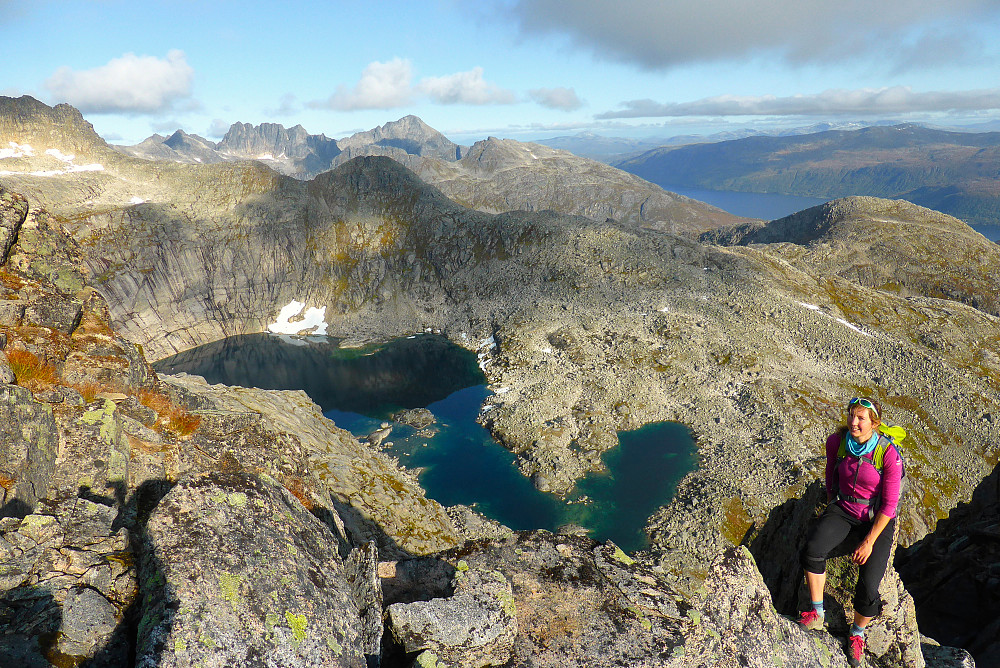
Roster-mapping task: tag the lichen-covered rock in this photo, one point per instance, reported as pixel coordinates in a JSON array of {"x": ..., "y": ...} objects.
[
  {"x": 361, "y": 570},
  {"x": 740, "y": 623},
  {"x": 236, "y": 572},
  {"x": 66, "y": 574},
  {"x": 577, "y": 602},
  {"x": 370, "y": 495},
  {"x": 475, "y": 627},
  {"x": 29, "y": 442},
  {"x": 13, "y": 210}
]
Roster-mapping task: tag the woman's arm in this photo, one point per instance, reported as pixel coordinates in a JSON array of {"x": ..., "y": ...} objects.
[{"x": 864, "y": 550}]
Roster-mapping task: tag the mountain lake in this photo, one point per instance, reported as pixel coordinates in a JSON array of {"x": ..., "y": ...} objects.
[{"x": 457, "y": 460}]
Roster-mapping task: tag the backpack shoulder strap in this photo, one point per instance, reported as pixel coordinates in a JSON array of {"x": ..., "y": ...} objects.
[{"x": 878, "y": 455}]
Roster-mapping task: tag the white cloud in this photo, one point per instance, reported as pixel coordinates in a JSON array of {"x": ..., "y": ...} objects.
[
  {"x": 287, "y": 105},
  {"x": 657, "y": 34},
  {"x": 130, "y": 84},
  {"x": 564, "y": 99},
  {"x": 465, "y": 88},
  {"x": 892, "y": 100},
  {"x": 382, "y": 86},
  {"x": 218, "y": 128},
  {"x": 390, "y": 85}
]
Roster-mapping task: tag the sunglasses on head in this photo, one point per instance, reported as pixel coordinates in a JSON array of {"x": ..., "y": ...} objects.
[{"x": 861, "y": 401}]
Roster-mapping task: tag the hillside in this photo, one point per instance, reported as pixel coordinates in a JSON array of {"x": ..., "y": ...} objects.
[{"x": 952, "y": 172}]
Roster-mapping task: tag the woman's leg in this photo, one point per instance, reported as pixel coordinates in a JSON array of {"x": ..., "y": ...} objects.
[
  {"x": 828, "y": 532},
  {"x": 867, "y": 602}
]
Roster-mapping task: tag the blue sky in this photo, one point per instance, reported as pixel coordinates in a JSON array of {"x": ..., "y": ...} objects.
[{"x": 525, "y": 69}]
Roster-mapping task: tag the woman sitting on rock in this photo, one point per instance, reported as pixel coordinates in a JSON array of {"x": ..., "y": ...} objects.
[{"x": 863, "y": 472}]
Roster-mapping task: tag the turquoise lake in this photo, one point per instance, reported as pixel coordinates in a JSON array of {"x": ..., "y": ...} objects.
[{"x": 457, "y": 459}]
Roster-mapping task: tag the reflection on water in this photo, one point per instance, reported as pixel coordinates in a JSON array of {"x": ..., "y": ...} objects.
[
  {"x": 376, "y": 380},
  {"x": 458, "y": 460}
]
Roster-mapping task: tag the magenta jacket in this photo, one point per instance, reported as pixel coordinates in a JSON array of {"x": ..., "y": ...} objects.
[{"x": 840, "y": 478}]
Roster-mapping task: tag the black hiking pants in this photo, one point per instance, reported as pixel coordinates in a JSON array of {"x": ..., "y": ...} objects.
[{"x": 833, "y": 528}]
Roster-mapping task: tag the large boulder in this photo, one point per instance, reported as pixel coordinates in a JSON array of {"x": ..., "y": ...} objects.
[
  {"x": 235, "y": 571},
  {"x": 473, "y": 628},
  {"x": 29, "y": 442}
]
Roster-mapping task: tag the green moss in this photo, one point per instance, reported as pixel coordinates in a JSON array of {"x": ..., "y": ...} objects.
[
  {"x": 823, "y": 652},
  {"x": 180, "y": 645},
  {"x": 297, "y": 623},
  {"x": 270, "y": 621},
  {"x": 620, "y": 556},
  {"x": 695, "y": 616},
  {"x": 335, "y": 646},
  {"x": 237, "y": 499},
  {"x": 429, "y": 659},
  {"x": 230, "y": 583},
  {"x": 463, "y": 565}
]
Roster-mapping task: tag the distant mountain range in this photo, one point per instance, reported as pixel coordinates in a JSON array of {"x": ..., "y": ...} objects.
[
  {"x": 957, "y": 173},
  {"x": 493, "y": 175},
  {"x": 612, "y": 150}
]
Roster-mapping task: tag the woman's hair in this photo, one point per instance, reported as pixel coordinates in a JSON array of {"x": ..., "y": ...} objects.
[{"x": 876, "y": 415}]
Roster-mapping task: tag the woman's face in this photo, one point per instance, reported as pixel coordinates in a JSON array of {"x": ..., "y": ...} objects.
[{"x": 860, "y": 424}]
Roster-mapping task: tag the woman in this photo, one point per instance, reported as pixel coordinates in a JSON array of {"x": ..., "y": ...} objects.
[{"x": 862, "y": 505}]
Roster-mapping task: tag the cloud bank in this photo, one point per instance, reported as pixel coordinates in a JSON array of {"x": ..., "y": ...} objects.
[
  {"x": 130, "y": 84},
  {"x": 563, "y": 99},
  {"x": 390, "y": 85},
  {"x": 655, "y": 34},
  {"x": 892, "y": 100}
]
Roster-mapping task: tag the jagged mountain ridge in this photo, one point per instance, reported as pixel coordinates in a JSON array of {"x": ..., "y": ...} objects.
[{"x": 493, "y": 175}]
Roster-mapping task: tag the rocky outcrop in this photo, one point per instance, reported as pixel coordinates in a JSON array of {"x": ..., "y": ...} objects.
[
  {"x": 954, "y": 575},
  {"x": 235, "y": 570},
  {"x": 893, "y": 638}
]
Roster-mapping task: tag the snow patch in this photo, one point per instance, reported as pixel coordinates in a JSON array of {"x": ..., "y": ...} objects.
[
  {"x": 266, "y": 156},
  {"x": 17, "y": 151},
  {"x": 854, "y": 327},
  {"x": 59, "y": 155},
  {"x": 137, "y": 200},
  {"x": 813, "y": 307},
  {"x": 314, "y": 319}
]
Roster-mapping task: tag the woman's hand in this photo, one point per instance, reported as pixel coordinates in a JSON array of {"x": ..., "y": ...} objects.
[{"x": 862, "y": 552}]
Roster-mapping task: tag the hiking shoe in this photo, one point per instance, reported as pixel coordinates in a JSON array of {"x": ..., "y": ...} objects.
[
  {"x": 811, "y": 620},
  {"x": 855, "y": 650}
]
